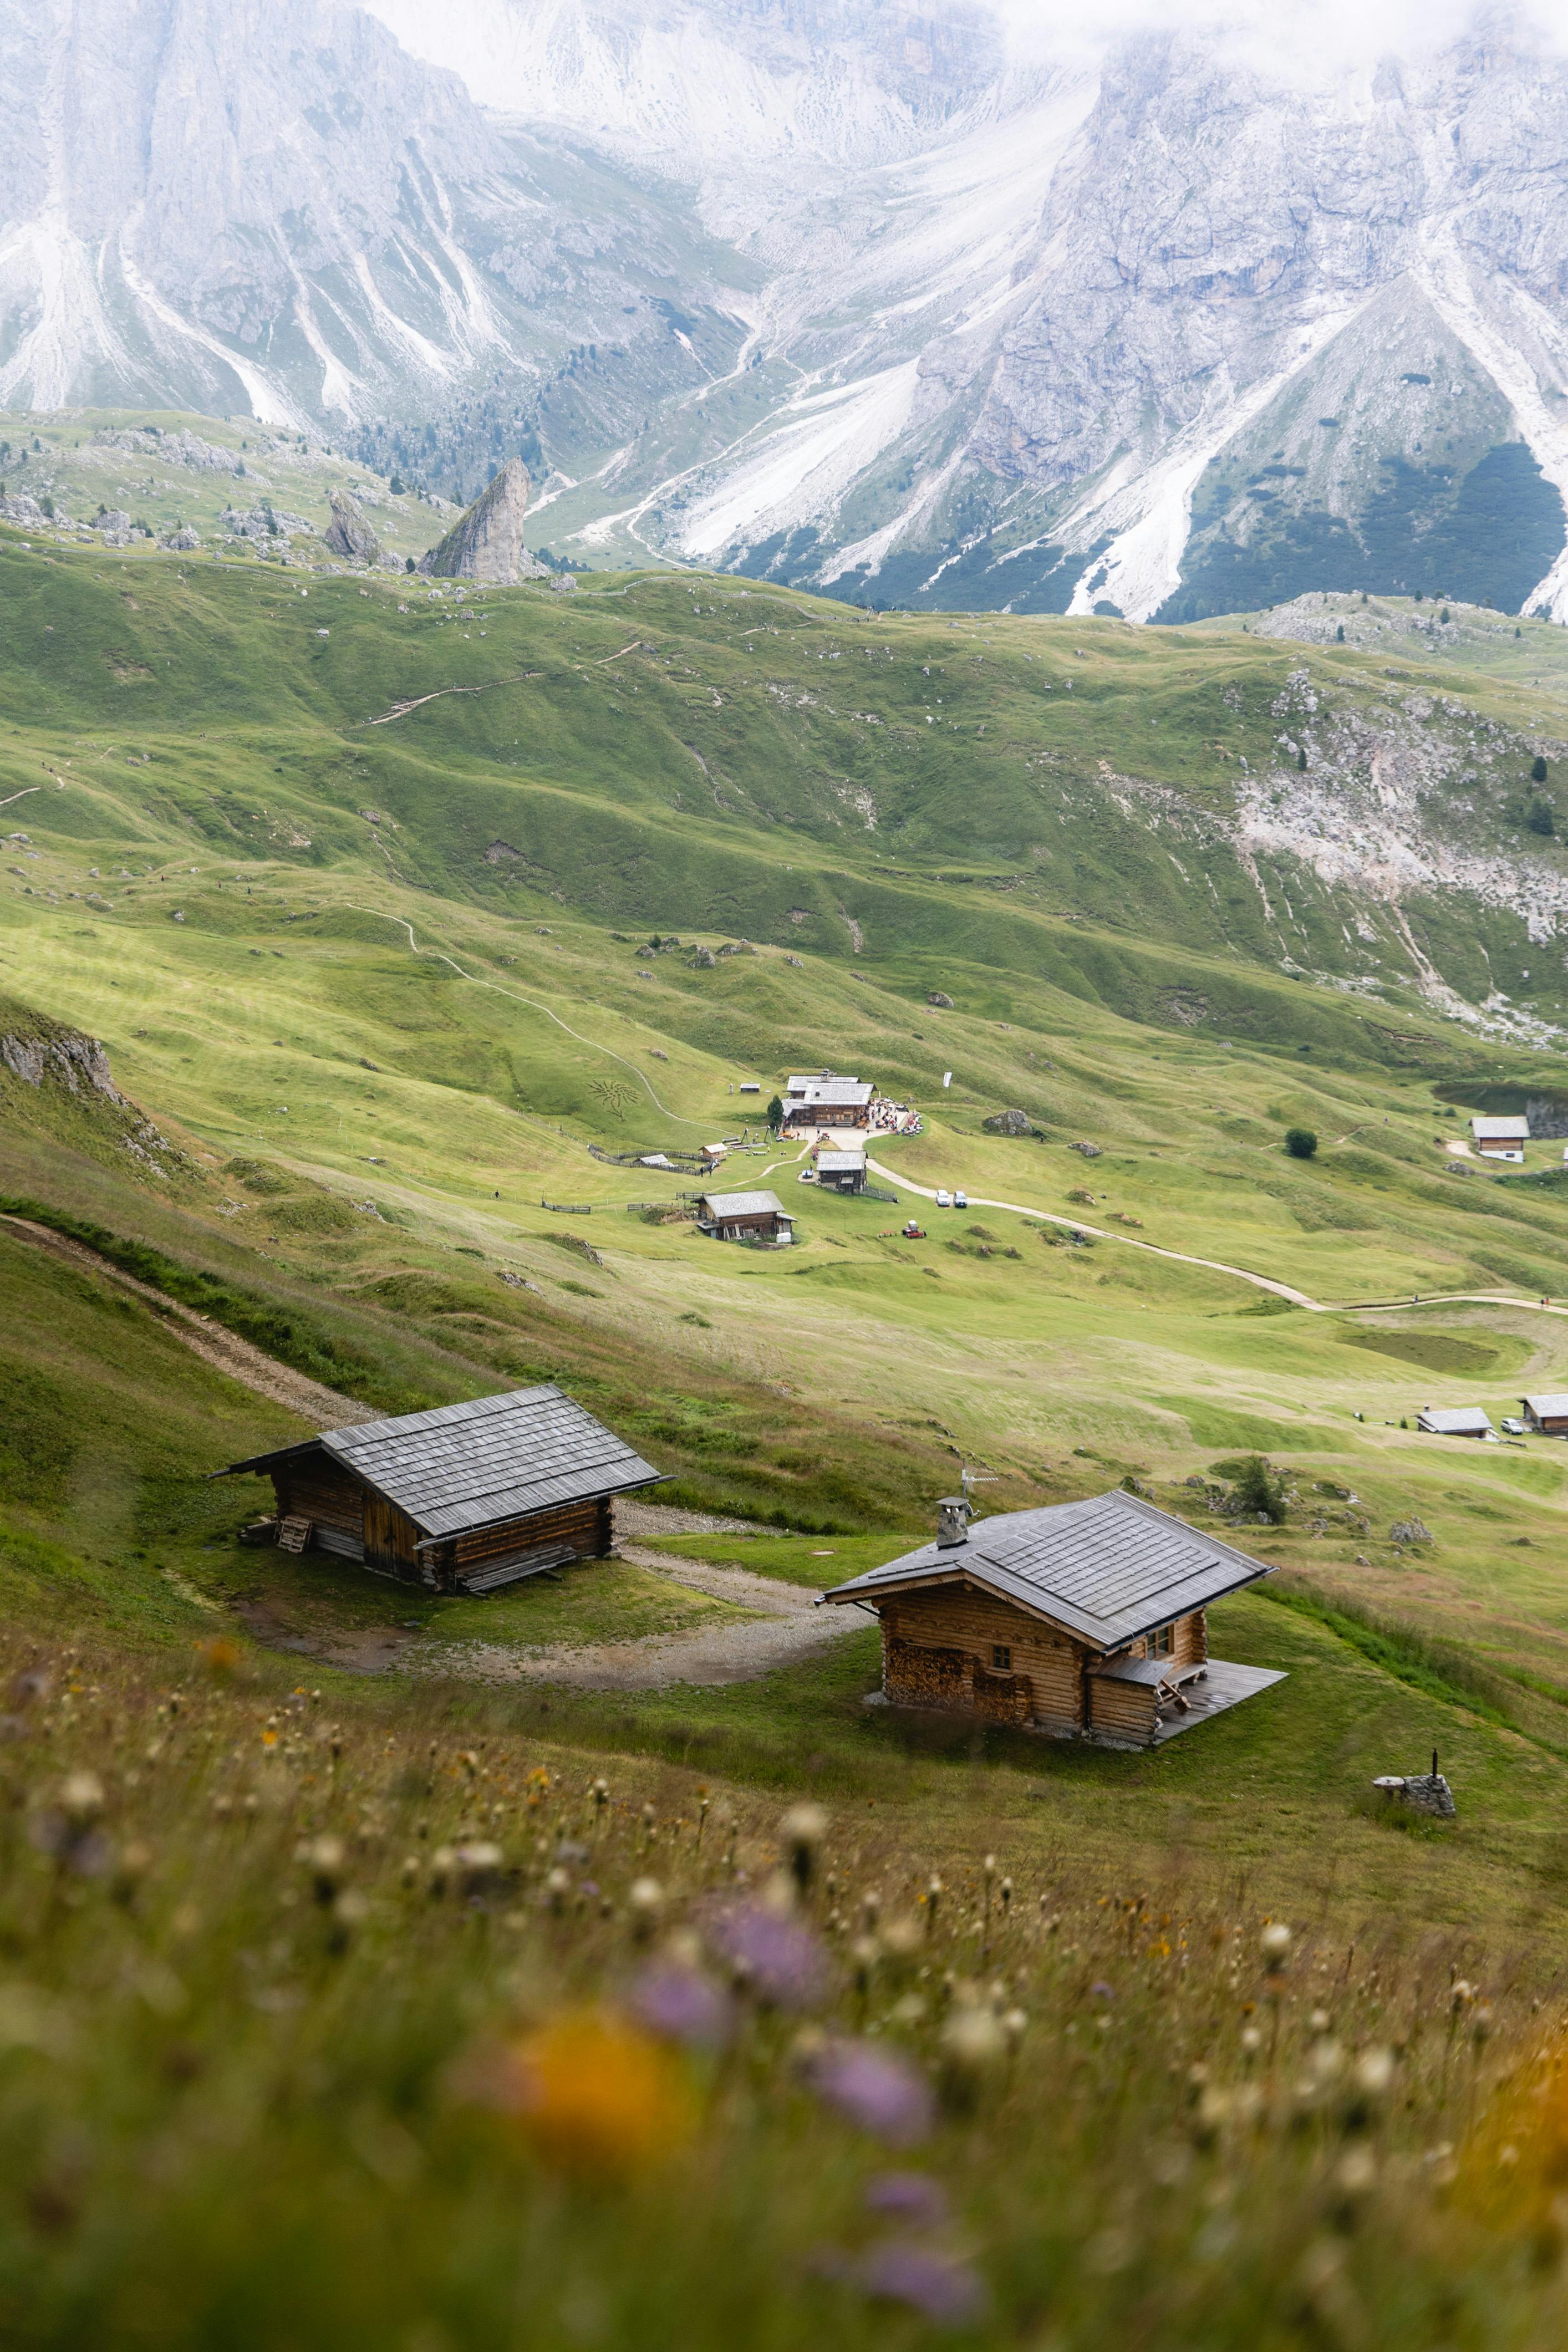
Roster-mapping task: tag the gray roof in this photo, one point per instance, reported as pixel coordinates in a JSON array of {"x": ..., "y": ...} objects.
[
  {"x": 1457, "y": 1420},
  {"x": 840, "y": 1160},
  {"x": 745, "y": 1205},
  {"x": 475, "y": 1466},
  {"x": 1547, "y": 1408},
  {"x": 1501, "y": 1131},
  {"x": 828, "y": 1092},
  {"x": 1107, "y": 1570}
]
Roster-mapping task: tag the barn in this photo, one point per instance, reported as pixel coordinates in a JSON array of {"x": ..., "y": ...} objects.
[
  {"x": 466, "y": 1498},
  {"x": 1547, "y": 1413},
  {"x": 1084, "y": 1621}
]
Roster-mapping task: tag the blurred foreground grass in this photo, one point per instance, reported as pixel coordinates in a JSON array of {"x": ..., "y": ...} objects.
[{"x": 320, "y": 2030}]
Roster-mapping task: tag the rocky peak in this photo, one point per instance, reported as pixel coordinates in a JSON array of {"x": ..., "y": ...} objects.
[
  {"x": 350, "y": 533},
  {"x": 486, "y": 543}
]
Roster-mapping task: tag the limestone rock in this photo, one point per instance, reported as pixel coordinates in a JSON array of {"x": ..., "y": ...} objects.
[
  {"x": 935, "y": 996},
  {"x": 486, "y": 543},
  {"x": 1409, "y": 1531},
  {"x": 1090, "y": 1151},
  {"x": 705, "y": 959},
  {"x": 180, "y": 542},
  {"x": 1008, "y": 1122},
  {"x": 349, "y": 533}
]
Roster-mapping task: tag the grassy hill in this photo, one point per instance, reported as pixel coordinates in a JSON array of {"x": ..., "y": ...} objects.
[{"x": 391, "y": 920}]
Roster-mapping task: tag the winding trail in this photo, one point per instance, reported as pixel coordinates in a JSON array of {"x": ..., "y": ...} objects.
[
  {"x": 213, "y": 1342},
  {"x": 401, "y": 923},
  {"x": 1239, "y": 1273}
]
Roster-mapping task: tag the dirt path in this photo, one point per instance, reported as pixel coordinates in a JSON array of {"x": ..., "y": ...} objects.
[
  {"x": 216, "y": 1345},
  {"x": 1076, "y": 1225},
  {"x": 788, "y": 1628}
]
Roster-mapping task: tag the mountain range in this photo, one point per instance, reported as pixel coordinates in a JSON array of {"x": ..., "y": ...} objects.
[{"x": 896, "y": 306}]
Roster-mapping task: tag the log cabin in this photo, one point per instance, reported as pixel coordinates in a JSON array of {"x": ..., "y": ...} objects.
[
  {"x": 1549, "y": 1414},
  {"x": 1080, "y": 1620},
  {"x": 466, "y": 1498},
  {"x": 745, "y": 1217}
]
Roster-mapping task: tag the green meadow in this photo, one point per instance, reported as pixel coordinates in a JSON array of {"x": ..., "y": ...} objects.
[{"x": 401, "y": 918}]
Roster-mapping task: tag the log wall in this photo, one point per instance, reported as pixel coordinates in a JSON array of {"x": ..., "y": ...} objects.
[
  {"x": 318, "y": 1489},
  {"x": 937, "y": 1651},
  {"x": 1121, "y": 1710},
  {"x": 587, "y": 1526}
]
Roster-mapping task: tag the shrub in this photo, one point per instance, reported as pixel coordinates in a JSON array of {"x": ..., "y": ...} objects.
[
  {"x": 1540, "y": 817},
  {"x": 1537, "y": 769},
  {"x": 1258, "y": 1491},
  {"x": 1300, "y": 1142}
]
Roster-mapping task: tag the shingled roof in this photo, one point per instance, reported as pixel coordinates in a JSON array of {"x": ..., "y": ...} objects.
[
  {"x": 466, "y": 1466},
  {"x": 1107, "y": 1570}
]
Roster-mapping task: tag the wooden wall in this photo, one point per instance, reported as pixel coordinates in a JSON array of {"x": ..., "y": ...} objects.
[
  {"x": 587, "y": 1526},
  {"x": 962, "y": 1625},
  {"x": 937, "y": 1648}
]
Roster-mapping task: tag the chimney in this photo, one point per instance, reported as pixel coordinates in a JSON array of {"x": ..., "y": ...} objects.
[{"x": 951, "y": 1521}]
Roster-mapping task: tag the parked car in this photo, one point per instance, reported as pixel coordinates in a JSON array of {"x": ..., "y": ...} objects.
[
  {"x": 945, "y": 1199},
  {"x": 961, "y": 1200},
  {"x": 1513, "y": 1428}
]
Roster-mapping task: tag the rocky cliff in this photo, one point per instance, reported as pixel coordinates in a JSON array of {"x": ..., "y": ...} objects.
[
  {"x": 350, "y": 533},
  {"x": 486, "y": 543}
]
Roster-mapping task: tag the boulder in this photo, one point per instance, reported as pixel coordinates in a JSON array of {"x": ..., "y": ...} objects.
[
  {"x": 486, "y": 543},
  {"x": 1409, "y": 1531},
  {"x": 180, "y": 542},
  {"x": 349, "y": 533},
  {"x": 705, "y": 959},
  {"x": 1090, "y": 1151},
  {"x": 1008, "y": 1122},
  {"x": 935, "y": 996}
]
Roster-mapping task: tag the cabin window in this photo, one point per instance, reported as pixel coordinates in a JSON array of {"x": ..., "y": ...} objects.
[
  {"x": 1160, "y": 1643},
  {"x": 1001, "y": 1658}
]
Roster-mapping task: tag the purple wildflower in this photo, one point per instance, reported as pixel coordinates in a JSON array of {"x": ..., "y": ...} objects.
[
  {"x": 911, "y": 2195},
  {"x": 1102, "y": 1992},
  {"x": 781, "y": 1960},
  {"x": 876, "y": 2089},
  {"x": 937, "y": 2285},
  {"x": 682, "y": 2005}
]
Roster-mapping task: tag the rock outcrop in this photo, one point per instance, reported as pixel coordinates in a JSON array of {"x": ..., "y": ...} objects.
[
  {"x": 350, "y": 533},
  {"x": 486, "y": 543},
  {"x": 1008, "y": 1122}
]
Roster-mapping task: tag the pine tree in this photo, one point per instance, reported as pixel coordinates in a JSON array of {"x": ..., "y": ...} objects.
[{"x": 1537, "y": 769}]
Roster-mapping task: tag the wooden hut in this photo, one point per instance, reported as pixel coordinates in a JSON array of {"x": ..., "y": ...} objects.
[
  {"x": 841, "y": 1172},
  {"x": 1082, "y": 1621},
  {"x": 1500, "y": 1138},
  {"x": 1547, "y": 1413},
  {"x": 745, "y": 1217},
  {"x": 466, "y": 1498},
  {"x": 1454, "y": 1421}
]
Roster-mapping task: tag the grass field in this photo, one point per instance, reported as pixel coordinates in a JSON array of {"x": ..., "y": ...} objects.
[{"x": 378, "y": 988}]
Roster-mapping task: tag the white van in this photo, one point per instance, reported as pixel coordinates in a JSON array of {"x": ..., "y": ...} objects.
[{"x": 945, "y": 1199}]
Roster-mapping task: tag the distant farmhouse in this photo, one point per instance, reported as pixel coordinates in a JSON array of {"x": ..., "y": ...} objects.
[
  {"x": 745, "y": 1217},
  {"x": 1547, "y": 1413},
  {"x": 1500, "y": 1138},
  {"x": 463, "y": 1499},
  {"x": 1456, "y": 1421},
  {"x": 1082, "y": 1621},
  {"x": 820, "y": 1101},
  {"x": 841, "y": 1172}
]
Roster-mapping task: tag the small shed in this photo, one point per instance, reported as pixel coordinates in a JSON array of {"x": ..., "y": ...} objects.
[
  {"x": 841, "y": 1172},
  {"x": 1547, "y": 1413},
  {"x": 462, "y": 1499},
  {"x": 1500, "y": 1138},
  {"x": 1454, "y": 1421},
  {"x": 1082, "y": 1621},
  {"x": 745, "y": 1217}
]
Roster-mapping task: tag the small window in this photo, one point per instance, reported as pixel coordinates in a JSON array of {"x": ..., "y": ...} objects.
[
  {"x": 1160, "y": 1643},
  {"x": 1001, "y": 1658}
]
